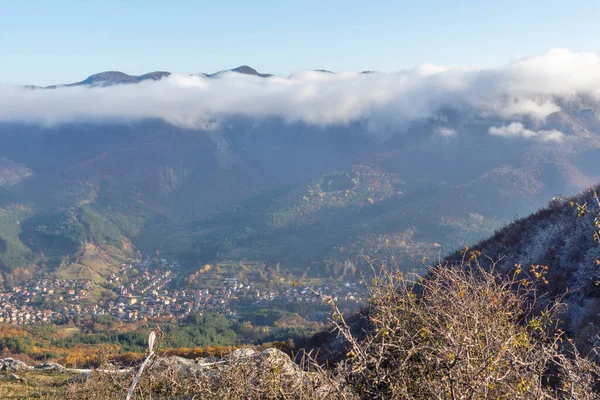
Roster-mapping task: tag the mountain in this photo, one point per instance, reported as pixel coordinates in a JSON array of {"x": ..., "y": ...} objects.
[
  {"x": 273, "y": 191},
  {"x": 243, "y": 69},
  {"x": 562, "y": 243},
  {"x": 261, "y": 183},
  {"x": 109, "y": 78}
]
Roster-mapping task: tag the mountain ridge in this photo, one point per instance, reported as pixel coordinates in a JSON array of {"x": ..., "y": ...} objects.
[
  {"x": 110, "y": 78},
  {"x": 115, "y": 77}
]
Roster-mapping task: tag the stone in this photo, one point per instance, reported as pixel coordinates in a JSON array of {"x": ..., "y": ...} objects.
[
  {"x": 239, "y": 353},
  {"x": 184, "y": 366},
  {"x": 10, "y": 364},
  {"x": 82, "y": 378},
  {"x": 16, "y": 378},
  {"x": 51, "y": 366},
  {"x": 273, "y": 359}
]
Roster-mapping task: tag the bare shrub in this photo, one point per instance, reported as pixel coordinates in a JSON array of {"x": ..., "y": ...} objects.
[{"x": 464, "y": 332}]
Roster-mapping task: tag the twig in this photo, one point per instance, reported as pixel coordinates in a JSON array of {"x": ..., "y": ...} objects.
[{"x": 151, "y": 339}]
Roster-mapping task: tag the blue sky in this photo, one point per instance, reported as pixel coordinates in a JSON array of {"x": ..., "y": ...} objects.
[{"x": 48, "y": 42}]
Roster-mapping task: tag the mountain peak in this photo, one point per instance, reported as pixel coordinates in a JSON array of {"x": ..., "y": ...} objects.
[
  {"x": 242, "y": 69},
  {"x": 107, "y": 76},
  {"x": 245, "y": 69},
  {"x": 110, "y": 78}
]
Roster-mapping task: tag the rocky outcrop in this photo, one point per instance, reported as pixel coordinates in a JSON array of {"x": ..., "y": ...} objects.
[
  {"x": 10, "y": 364},
  {"x": 14, "y": 378},
  {"x": 267, "y": 360},
  {"x": 273, "y": 359},
  {"x": 51, "y": 366},
  {"x": 184, "y": 367},
  {"x": 81, "y": 378},
  {"x": 245, "y": 373}
]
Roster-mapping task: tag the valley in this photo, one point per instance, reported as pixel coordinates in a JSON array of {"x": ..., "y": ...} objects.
[
  {"x": 234, "y": 233},
  {"x": 314, "y": 201}
]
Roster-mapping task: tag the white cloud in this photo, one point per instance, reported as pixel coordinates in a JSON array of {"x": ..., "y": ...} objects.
[
  {"x": 445, "y": 131},
  {"x": 429, "y": 69},
  {"x": 526, "y": 87},
  {"x": 516, "y": 129}
]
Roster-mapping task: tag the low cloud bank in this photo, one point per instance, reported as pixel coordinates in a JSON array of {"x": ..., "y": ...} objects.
[
  {"x": 533, "y": 87},
  {"x": 517, "y": 130}
]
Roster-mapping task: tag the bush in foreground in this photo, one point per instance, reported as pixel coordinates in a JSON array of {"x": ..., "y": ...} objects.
[
  {"x": 464, "y": 332},
  {"x": 461, "y": 333}
]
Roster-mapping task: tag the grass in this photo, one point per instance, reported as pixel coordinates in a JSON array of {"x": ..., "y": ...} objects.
[
  {"x": 94, "y": 264},
  {"x": 38, "y": 385}
]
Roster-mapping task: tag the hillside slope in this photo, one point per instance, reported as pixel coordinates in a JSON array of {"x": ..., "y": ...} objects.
[
  {"x": 565, "y": 237},
  {"x": 270, "y": 190},
  {"x": 11, "y": 172}
]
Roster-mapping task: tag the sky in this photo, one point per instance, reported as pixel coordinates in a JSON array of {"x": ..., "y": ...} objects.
[{"x": 51, "y": 42}]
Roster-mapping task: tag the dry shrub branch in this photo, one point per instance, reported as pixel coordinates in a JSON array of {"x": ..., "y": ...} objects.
[{"x": 464, "y": 332}]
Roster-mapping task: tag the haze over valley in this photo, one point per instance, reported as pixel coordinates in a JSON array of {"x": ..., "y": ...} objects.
[{"x": 317, "y": 168}]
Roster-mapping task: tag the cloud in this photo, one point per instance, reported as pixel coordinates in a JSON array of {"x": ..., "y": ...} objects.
[
  {"x": 532, "y": 87},
  {"x": 517, "y": 130},
  {"x": 444, "y": 131}
]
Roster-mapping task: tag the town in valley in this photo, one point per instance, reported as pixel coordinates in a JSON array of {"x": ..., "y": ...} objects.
[{"x": 151, "y": 289}]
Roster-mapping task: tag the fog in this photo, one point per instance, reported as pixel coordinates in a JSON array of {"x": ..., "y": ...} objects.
[{"x": 532, "y": 87}]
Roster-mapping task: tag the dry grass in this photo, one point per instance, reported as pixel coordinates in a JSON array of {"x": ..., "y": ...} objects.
[
  {"x": 251, "y": 378},
  {"x": 39, "y": 385}
]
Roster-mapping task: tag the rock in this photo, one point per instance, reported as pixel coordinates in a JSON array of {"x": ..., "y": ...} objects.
[
  {"x": 273, "y": 352},
  {"x": 82, "y": 378},
  {"x": 239, "y": 353},
  {"x": 50, "y": 366},
  {"x": 10, "y": 364},
  {"x": 203, "y": 360},
  {"x": 273, "y": 359},
  {"x": 207, "y": 360},
  {"x": 183, "y": 366},
  {"x": 268, "y": 361},
  {"x": 17, "y": 378}
]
